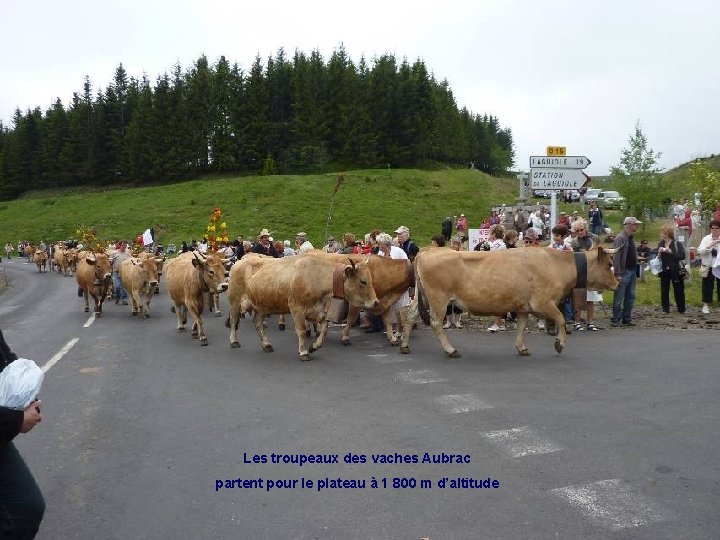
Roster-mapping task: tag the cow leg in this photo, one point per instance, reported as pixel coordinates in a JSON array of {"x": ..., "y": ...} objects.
[
  {"x": 98, "y": 306},
  {"x": 353, "y": 312},
  {"x": 436, "y": 323},
  {"x": 233, "y": 320},
  {"x": 281, "y": 322},
  {"x": 258, "y": 321},
  {"x": 216, "y": 304},
  {"x": 387, "y": 319},
  {"x": 134, "y": 302},
  {"x": 551, "y": 311},
  {"x": 301, "y": 328},
  {"x": 181, "y": 315},
  {"x": 87, "y": 300},
  {"x": 198, "y": 329},
  {"x": 522, "y": 321},
  {"x": 320, "y": 338}
]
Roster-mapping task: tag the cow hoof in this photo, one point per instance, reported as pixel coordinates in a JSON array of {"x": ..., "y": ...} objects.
[
  {"x": 134, "y": 313},
  {"x": 395, "y": 342},
  {"x": 87, "y": 309},
  {"x": 268, "y": 348},
  {"x": 345, "y": 342},
  {"x": 98, "y": 314},
  {"x": 182, "y": 329},
  {"x": 312, "y": 349},
  {"x": 218, "y": 313},
  {"x": 454, "y": 354},
  {"x": 405, "y": 350},
  {"x": 558, "y": 346},
  {"x": 523, "y": 352},
  {"x": 305, "y": 357},
  {"x": 172, "y": 309},
  {"x": 203, "y": 342},
  {"x": 281, "y": 326},
  {"x": 147, "y": 315},
  {"x": 234, "y": 345}
]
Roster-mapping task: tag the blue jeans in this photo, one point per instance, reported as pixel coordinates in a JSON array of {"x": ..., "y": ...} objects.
[
  {"x": 624, "y": 297},
  {"x": 120, "y": 293}
]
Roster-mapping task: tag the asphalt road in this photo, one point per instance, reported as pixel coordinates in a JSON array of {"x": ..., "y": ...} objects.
[{"x": 146, "y": 434}]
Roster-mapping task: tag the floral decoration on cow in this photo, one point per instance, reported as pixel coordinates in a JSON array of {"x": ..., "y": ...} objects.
[
  {"x": 216, "y": 231},
  {"x": 90, "y": 240}
]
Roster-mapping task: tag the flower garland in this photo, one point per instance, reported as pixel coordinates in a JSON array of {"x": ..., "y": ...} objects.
[
  {"x": 89, "y": 239},
  {"x": 216, "y": 231}
]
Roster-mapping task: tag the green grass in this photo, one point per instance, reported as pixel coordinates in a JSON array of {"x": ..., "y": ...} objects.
[{"x": 368, "y": 199}]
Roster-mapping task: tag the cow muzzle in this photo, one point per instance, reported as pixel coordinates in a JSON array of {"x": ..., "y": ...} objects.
[{"x": 222, "y": 287}]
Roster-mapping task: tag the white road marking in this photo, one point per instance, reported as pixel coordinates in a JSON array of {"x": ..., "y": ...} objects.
[
  {"x": 62, "y": 352},
  {"x": 387, "y": 358},
  {"x": 461, "y": 403},
  {"x": 89, "y": 321},
  {"x": 423, "y": 376},
  {"x": 613, "y": 503},
  {"x": 522, "y": 441}
]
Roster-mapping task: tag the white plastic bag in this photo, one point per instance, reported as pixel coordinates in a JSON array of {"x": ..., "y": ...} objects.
[
  {"x": 655, "y": 265},
  {"x": 20, "y": 384}
]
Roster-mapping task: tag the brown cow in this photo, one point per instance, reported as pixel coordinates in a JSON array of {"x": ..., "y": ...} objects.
[
  {"x": 391, "y": 278},
  {"x": 160, "y": 260},
  {"x": 525, "y": 280},
  {"x": 140, "y": 278},
  {"x": 302, "y": 286},
  {"x": 40, "y": 258},
  {"x": 189, "y": 277},
  {"x": 93, "y": 277}
]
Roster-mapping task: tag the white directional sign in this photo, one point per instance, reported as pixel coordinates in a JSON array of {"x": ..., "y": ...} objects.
[
  {"x": 559, "y": 162},
  {"x": 551, "y": 179}
]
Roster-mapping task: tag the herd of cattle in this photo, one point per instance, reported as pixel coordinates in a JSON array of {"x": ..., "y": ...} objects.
[{"x": 526, "y": 281}]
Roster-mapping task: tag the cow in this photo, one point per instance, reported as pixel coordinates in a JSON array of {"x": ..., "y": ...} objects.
[
  {"x": 189, "y": 277},
  {"x": 93, "y": 278},
  {"x": 302, "y": 286},
  {"x": 524, "y": 280},
  {"x": 140, "y": 278},
  {"x": 391, "y": 279},
  {"x": 40, "y": 258},
  {"x": 160, "y": 260}
]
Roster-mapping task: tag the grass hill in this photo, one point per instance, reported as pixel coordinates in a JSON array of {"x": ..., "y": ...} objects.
[{"x": 367, "y": 199}]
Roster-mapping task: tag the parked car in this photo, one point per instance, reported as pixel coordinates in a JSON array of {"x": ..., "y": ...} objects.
[
  {"x": 611, "y": 200},
  {"x": 592, "y": 194}
]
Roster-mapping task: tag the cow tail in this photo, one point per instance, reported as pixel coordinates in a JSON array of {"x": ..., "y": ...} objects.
[{"x": 423, "y": 308}]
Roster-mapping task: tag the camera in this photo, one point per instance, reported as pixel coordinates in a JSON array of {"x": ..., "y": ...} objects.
[{"x": 713, "y": 252}]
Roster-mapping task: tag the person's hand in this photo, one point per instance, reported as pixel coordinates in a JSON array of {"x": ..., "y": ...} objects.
[{"x": 31, "y": 416}]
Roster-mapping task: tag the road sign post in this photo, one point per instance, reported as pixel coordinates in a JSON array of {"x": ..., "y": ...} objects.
[{"x": 557, "y": 172}]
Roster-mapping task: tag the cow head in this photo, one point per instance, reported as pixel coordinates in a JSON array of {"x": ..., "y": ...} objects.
[
  {"x": 212, "y": 272},
  {"x": 150, "y": 266},
  {"x": 358, "y": 286},
  {"x": 600, "y": 273},
  {"x": 101, "y": 265}
]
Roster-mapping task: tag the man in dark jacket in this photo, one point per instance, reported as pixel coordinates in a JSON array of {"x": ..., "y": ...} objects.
[
  {"x": 625, "y": 262},
  {"x": 21, "y": 503}
]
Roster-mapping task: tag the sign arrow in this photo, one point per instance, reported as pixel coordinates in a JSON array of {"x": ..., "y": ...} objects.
[
  {"x": 559, "y": 162},
  {"x": 557, "y": 178}
]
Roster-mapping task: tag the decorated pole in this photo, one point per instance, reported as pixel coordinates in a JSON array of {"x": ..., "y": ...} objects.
[{"x": 338, "y": 183}]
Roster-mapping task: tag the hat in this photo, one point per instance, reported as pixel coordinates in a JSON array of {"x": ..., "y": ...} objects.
[
  {"x": 575, "y": 212},
  {"x": 462, "y": 215},
  {"x": 402, "y": 229},
  {"x": 301, "y": 234},
  {"x": 264, "y": 232},
  {"x": 561, "y": 213},
  {"x": 331, "y": 239},
  {"x": 631, "y": 220}
]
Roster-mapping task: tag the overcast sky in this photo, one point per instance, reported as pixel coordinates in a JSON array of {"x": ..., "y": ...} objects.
[{"x": 575, "y": 73}]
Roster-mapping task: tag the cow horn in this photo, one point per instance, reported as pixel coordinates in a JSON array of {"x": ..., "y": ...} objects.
[{"x": 352, "y": 263}]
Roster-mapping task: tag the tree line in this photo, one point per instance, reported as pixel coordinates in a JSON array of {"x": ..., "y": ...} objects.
[{"x": 289, "y": 116}]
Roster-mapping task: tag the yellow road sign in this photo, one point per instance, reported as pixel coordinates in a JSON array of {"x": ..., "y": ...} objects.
[{"x": 556, "y": 150}]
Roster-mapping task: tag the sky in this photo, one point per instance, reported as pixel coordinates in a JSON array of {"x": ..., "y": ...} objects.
[{"x": 577, "y": 74}]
